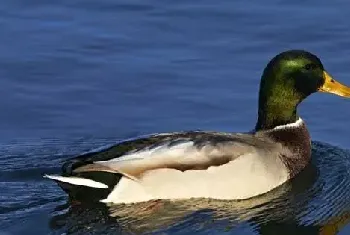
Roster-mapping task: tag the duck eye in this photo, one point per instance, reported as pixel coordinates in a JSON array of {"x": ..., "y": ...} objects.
[{"x": 309, "y": 66}]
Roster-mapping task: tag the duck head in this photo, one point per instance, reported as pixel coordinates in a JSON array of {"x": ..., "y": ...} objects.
[{"x": 287, "y": 80}]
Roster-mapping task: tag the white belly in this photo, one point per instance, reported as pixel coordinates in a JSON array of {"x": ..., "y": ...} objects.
[{"x": 245, "y": 177}]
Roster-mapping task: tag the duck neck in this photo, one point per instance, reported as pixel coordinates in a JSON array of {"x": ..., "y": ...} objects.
[
  {"x": 272, "y": 114},
  {"x": 278, "y": 100}
]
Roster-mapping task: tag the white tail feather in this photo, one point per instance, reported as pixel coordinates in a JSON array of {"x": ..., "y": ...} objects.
[{"x": 77, "y": 181}]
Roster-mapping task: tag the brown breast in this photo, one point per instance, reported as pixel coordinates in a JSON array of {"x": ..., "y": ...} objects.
[{"x": 297, "y": 141}]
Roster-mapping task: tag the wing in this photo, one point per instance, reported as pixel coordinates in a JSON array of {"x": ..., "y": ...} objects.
[{"x": 181, "y": 151}]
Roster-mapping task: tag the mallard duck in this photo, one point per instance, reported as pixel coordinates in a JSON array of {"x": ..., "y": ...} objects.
[{"x": 216, "y": 165}]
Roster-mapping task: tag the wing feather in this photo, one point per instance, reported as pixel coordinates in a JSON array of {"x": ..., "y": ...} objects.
[{"x": 196, "y": 152}]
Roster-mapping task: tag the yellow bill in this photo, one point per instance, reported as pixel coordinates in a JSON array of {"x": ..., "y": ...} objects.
[{"x": 332, "y": 86}]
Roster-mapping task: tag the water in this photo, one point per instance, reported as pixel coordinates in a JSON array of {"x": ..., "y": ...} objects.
[{"x": 77, "y": 75}]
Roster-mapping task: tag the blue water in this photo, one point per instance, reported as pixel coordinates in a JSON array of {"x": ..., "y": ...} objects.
[{"x": 77, "y": 75}]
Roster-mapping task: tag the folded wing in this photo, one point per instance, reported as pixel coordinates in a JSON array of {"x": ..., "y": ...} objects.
[{"x": 193, "y": 151}]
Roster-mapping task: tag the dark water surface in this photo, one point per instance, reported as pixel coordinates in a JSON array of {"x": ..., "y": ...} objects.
[{"x": 77, "y": 75}]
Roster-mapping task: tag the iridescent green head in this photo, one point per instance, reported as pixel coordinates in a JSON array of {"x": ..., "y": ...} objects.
[{"x": 287, "y": 80}]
